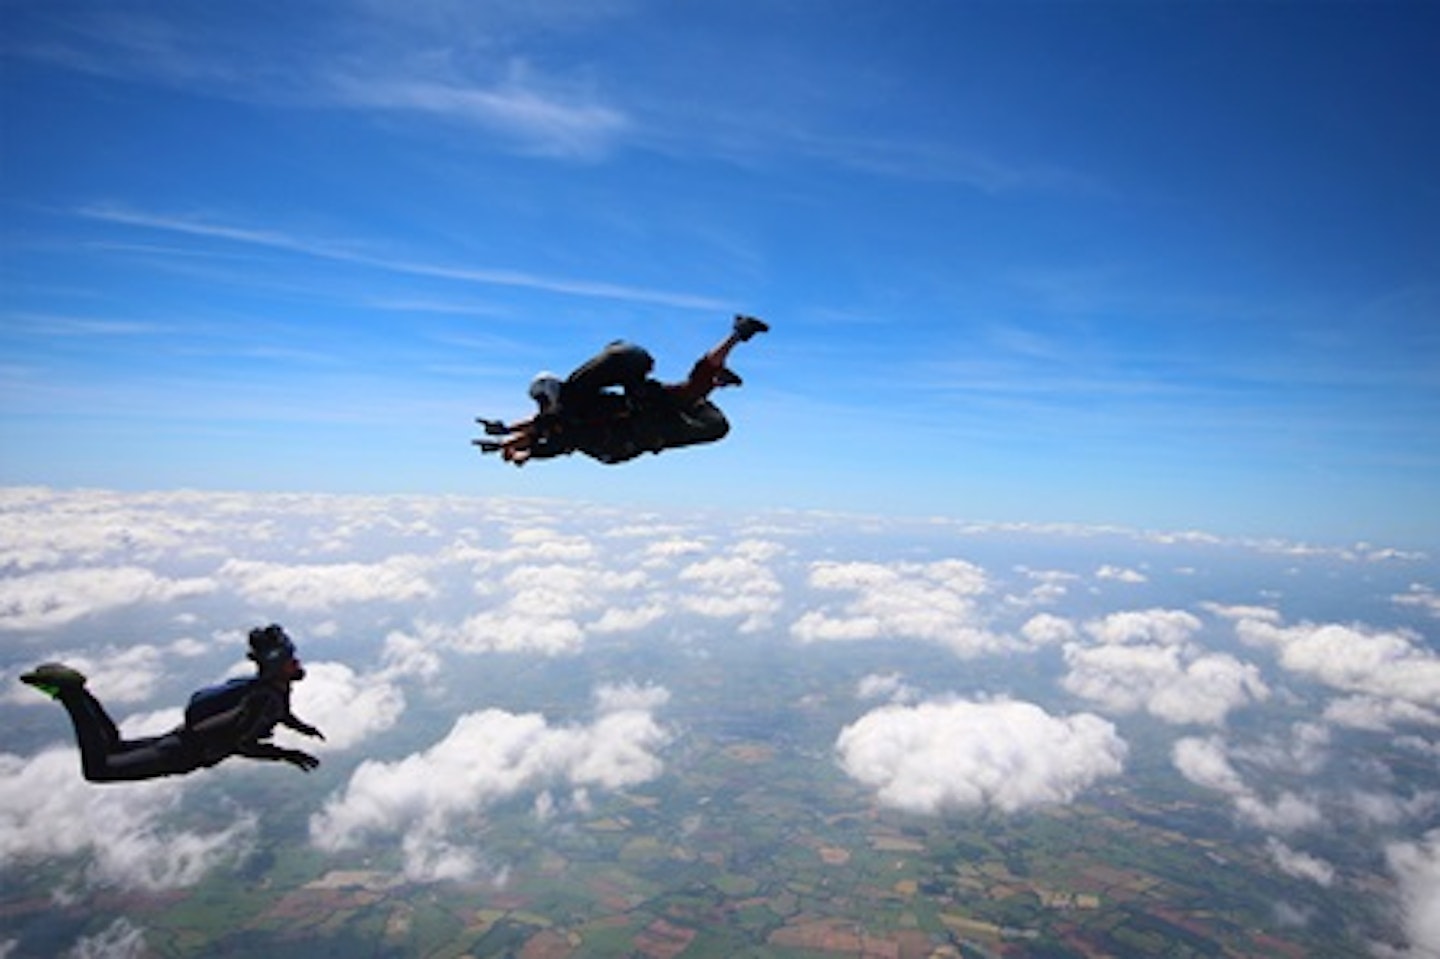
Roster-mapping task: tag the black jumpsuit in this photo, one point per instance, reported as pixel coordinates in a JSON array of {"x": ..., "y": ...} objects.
[{"x": 105, "y": 757}]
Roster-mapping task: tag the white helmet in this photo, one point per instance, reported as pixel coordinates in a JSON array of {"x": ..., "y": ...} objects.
[{"x": 545, "y": 389}]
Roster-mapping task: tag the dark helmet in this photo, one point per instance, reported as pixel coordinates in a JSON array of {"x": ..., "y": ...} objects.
[{"x": 270, "y": 648}]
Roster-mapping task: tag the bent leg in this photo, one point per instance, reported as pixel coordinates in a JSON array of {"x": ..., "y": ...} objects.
[
  {"x": 695, "y": 423},
  {"x": 619, "y": 364},
  {"x": 709, "y": 371},
  {"x": 95, "y": 731}
]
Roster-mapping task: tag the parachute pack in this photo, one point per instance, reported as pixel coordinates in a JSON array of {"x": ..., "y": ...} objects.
[{"x": 214, "y": 700}]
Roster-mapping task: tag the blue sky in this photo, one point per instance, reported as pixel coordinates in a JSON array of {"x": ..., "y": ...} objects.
[{"x": 1153, "y": 264}]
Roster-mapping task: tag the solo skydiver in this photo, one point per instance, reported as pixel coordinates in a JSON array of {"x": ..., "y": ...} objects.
[{"x": 233, "y": 719}]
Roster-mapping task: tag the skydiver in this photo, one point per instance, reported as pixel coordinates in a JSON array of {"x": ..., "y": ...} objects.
[
  {"x": 583, "y": 414},
  {"x": 252, "y": 709}
]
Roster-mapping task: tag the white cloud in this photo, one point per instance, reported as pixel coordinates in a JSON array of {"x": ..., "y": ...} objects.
[
  {"x": 1416, "y": 867},
  {"x": 549, "y": 609},
  {"x": 539, "y": 545},
  {"x": 122, "y": 939},
  {"x": 486, "y": 757},
  {"x": 1047, "y": 629},
  {"x": 631, "y": 620},
  {"x": 47, "y": 600},
  {"x": 1007, "y": 755},
  {"x": 43, "y": 528},
  {"x": 1378, "y": 714},
  {"x": 1353, "y": 659},
  {"x": 48, "y": 810},
  {"x": 1421, "y": 597},
  {"x": 888, "y": 686},
  {"x": 613, "y": 698},
  {"x": 1166, "y": 627},
  {"x": 348, "y": 708},
  {"x": 407, "y": 655},
  {"x": 1051, "y": 587},
  {"x": 932, "y": 602},
  {"x": 1304, "y": 752},
  {"x": 1205, "y": 762},
  {"x": 1171, "y": 683},
  {"x": 1287, "y": 813},
  {"x": 736, "y": 585},
  {"x": 1238, "y": 612},
  {"x": 1301, "y": 865},
  {"x": 665, "y": 551},
  {"x": 1387, "y": 809},
  {"x": 1120, "y": 574},
  {"x": 319, "y": 586}
]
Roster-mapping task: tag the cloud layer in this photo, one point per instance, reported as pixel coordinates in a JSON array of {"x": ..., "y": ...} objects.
[{"x": 956, "y": 668}]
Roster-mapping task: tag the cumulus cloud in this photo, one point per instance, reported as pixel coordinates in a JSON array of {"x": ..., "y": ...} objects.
[
  {"x": 1377, "y": 714},
  {"x": 1304, "y": 751},
  {"x": 1416, "y": 867},
  {"x": 932, "y": 602},
  {"x": 487, "y": 757},
  {"x": 1387, "y": 809},
  {"x": 737, "y": 585},
  {"x": 1286, "y": 813},
  {"x": 549, "y": 610},
  {"x": 888, "y": 686},
  {"x": 1007, "y": 755},
  {"x": 1353, "y": 659},
  {"x": 1147, "y": 662},
  {"x": 1420, "y": 597},
  {"x": 1205, "y": 762},
  {"x": 1301, "y": 865},
  {"x": 664, "y": 551},
  {"x": 42, "y": 528},
  {"x": 348, "y": 708},
  {"x": 1165, "y": 627},
  {"x": 1236, "y": 612},
  {"x": 1047, "y": 629},
  {"x": 1120, "y": 574},
  {"x": 47, "y": 810},
  {"x": 1051, "y": 586},
  {"x": 47, "y": 600},
  {"x": 407, "y": 655},
  {"x": 614, "y": 698},
  {"x": 122, "y": 939},
  {"x": 540, "y": 545},
  {"x": 1165, "y": 681},
  {"x": 322, "y": 586}
]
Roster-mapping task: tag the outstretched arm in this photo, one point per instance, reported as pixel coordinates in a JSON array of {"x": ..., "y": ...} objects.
[
  {"x": 272, "y": 753},
  {"x": 291, "y": 721}
]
